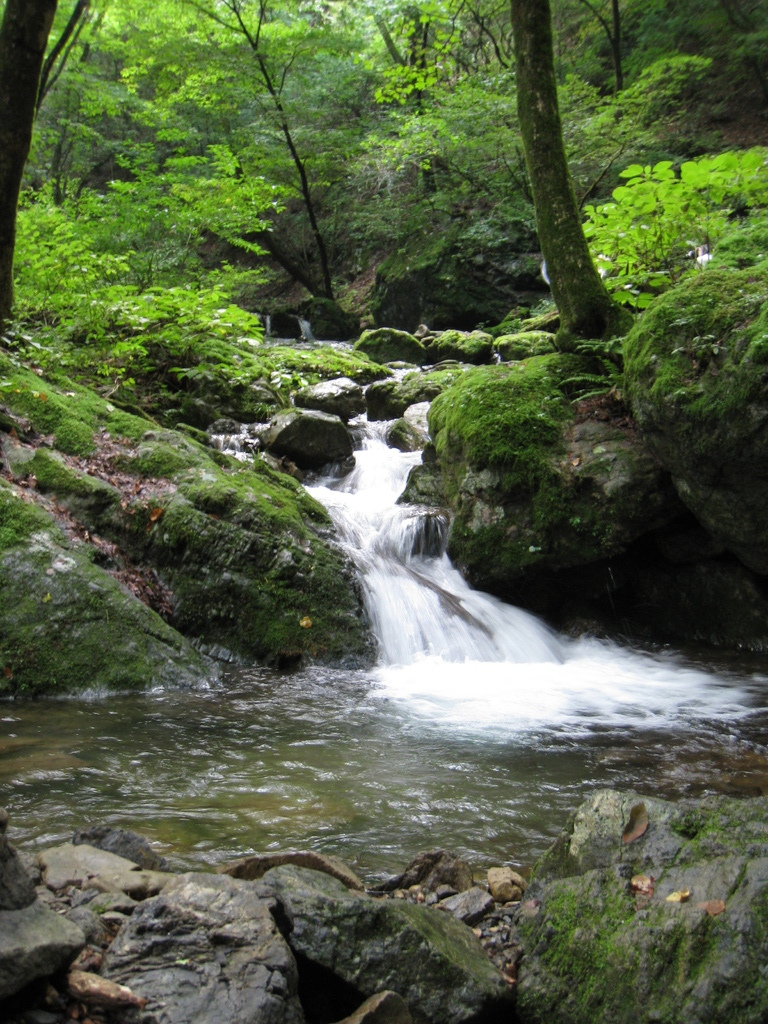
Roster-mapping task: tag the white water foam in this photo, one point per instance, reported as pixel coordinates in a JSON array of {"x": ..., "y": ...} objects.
[{"x": 460, "y": 659}]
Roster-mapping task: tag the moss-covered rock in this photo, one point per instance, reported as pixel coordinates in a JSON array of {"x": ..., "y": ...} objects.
[
  {"x": 388, "y": 399},
  {"x": 513, "y": 347},
  {"x": 697, "y": 373},
  {"x": 466, "y": 346},
  {"x": 246, "y": 552},
  {"x": 534, "y": 488},
  {"x": 600, "y": 949},
  {"x": 386, "y": 345},
  {"x": 745, "y": 245},
  {"x": 67, "y": 625}
]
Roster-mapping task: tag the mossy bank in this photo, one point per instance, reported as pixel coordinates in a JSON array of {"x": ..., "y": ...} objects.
[{"x": 242, "y": 557}]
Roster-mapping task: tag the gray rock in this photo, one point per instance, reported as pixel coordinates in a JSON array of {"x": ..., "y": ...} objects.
[
  {"x": 87, "y": 866},
  {"x": 90, "y": 925},
  {"x": 207, "y": 950},
  {"x": 309, "y": 438},
  {"x": 404, "y": 437},
  {"x": 34, "y": 942},
  {"x": 602, "y": 949},
  {"x": 122, "y": 842},
  {"x": 341, "y": 397},
  {"x": 17, "y": 890},
  {"x": 431, "y": 869},
  {"x": 433, "y": 961},
  {"x": 469, "y": 906}
]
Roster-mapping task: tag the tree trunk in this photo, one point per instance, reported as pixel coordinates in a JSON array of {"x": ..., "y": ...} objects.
[
  {"x": 586, "y": 309},
  {"x": 23, "y": 38}
]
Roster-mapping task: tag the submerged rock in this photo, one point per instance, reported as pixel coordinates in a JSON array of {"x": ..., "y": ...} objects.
[{"x": 648, "y": 910}]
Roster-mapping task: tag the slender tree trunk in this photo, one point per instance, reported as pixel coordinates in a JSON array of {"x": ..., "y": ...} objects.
[
  {"x": 586, "y": 309},
  {"x": 23, "y": 38},
  {"x": 618, "y": 70}
]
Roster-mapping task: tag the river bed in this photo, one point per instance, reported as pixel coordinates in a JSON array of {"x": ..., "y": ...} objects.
[{"x": 479, "y": 730}]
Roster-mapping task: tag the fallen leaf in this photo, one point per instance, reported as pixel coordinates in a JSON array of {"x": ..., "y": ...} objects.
[
  {"x": 679, "y": 896},
  {"x": 7, "y": 672},
  {"x": 306, "y": 622},
  {"x": 155, "y": 514},
  {"x": 712, "y": 907},
  {"x": 642, "y": 885},
  {"x": 637, "y": 824},
  {"x": 46, "y": 598}
]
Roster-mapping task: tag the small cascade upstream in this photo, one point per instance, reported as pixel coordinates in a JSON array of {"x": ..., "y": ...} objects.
[
  {"x": 461, "y": 658},
  {"x": 419, "y": 604}
]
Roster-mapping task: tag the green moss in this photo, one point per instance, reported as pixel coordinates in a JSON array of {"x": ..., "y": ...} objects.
[
  {"x": 386, "y": 345},
  {"x": 66, "y": 410},
  {"x": 68, "y": 626},
  {"x": 504, "y": 417},
  {"x": 745, "y": 245},
  {"x": 19, "y": 518},
  {"x": 474, "y": 347},
  {"x": 699, "y": 357},
  {"x": 522, "y": 346},
  {"x": 53, "y": 474}
]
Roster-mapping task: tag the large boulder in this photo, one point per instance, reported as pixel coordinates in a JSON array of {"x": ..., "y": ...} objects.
[
  {"x": 466, "y": 346},
  {"x": 341, "y": 397},
  {"x": 67, "y": 624},
  {"x": 697, "y": 372},
  {"x": 34, "y": 942},
  {"x": 359, "y": 945},
  {"x": 649, "y": 911},
  {"x": 389, "y": 399},
  {"x": 512, "y": 347},
  {"x": 207, "y": 949},
  {"x": 387, "y": 345},
  {"x": 309, "y": 438},
  {"x": 238, "y": 556},
  {"x": 535, "y": 487}
]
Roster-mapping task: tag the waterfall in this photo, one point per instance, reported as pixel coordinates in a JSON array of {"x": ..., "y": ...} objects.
[
  {"x": 418, "y": 603},
  {"x": 306, "y": 329},
  {"x": 463, "y": 660}
]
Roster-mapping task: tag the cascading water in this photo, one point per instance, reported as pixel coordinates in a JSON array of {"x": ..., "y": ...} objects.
[
  {"x": 465, "y": 660},
  {"x": 479, "y": 730}
]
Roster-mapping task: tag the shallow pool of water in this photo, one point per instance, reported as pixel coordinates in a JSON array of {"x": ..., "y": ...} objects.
[{"x": 346, "y": 763}]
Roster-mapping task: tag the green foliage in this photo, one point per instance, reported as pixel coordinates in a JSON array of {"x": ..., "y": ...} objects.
[{"x": 642, "y": 240}]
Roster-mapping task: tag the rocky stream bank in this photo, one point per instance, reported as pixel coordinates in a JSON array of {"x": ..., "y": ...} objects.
[{"x": 642, "y": 911}]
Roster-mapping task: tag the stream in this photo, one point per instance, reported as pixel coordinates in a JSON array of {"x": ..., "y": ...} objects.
[{"x": 479, "y": 729}]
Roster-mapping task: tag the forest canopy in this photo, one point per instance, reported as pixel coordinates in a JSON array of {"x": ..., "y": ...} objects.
[{"x": 201, "y": 161}]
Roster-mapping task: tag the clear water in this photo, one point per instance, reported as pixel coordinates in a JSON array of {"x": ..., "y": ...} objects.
[{"x": 479, "y": 730}]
